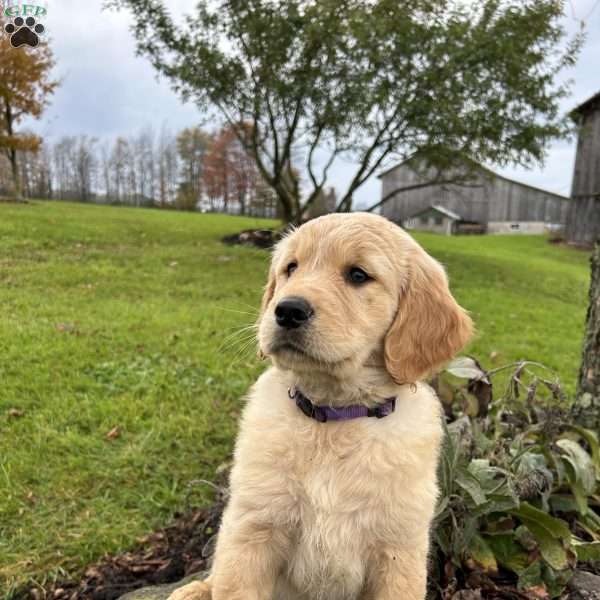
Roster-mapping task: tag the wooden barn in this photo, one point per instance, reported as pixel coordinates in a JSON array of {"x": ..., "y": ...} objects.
[
  {"x": 583, "y": 221},
  {"x": 490, "y": 201}
]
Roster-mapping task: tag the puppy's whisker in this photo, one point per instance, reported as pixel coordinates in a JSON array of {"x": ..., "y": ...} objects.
[
  {"x": 239, "y": 338},
  {"x": 236, "y": 328},
  {"x": 249, "y": 343},
  {"x": 246, "y": 305},
  {"x": 240, "y": 312},
  {"x": 252, "y": 308},
  {"x": 236, "y": 343},
  {"x": 242, "y": 329},
  {"x": 241, "y": 353}
]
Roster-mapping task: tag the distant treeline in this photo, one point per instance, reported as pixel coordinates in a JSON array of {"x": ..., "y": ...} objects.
[{"x": 193, "y": 170}]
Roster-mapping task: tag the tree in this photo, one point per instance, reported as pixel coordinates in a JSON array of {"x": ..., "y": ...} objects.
[
  {"x": 143, "y": 146},
  {"x": 36, "y": 173},
  {"x": 588, "y": 392},
  {"x": 192, "y": 144},
  {"x": 167, "y": 167},
  {"x": 60, "y": 165},
  {"x": 25, "y": 87},
  {"x": 75, "y": 167},
  {"x": 85, "y": 166},
  {"x": 229, "y": 171},
  {"x": 105, "y": 170},
  {"x": 119, "y": 159},
  {"x": 368, "y": 81}
]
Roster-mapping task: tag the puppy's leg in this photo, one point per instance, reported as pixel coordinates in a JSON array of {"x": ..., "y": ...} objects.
[
  {"x": 197, "y": 590},
  {"x": 248, "y": 560},
  {"x": 399, "y": 574}
]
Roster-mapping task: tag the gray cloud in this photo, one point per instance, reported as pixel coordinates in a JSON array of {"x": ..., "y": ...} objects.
[{"x": 107, "y": 90}]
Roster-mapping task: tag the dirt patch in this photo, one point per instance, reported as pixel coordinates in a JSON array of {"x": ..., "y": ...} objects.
[
  {"x": 165, "y": 556},
  {"x": 6, "y": 200},
  {"x": 260, "y": 238},
  {"x": 561, "y": 241}
]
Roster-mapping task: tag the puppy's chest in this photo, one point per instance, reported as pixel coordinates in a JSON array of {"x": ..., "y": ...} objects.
[
  {"x": 336, "y": 511},
  {"x": 330, "y": 479},
  {"x": 331, "y": 473},
  {"x": 336, "y": 501}
]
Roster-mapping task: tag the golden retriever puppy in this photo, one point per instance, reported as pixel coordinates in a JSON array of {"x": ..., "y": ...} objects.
[{"x": 334, "y": 486}]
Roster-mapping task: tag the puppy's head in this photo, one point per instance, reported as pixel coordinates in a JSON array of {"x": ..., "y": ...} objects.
[{"x": 347, "y": 289}]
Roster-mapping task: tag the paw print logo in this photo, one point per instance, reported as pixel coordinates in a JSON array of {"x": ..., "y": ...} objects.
[{"x": 24, "y": 32}]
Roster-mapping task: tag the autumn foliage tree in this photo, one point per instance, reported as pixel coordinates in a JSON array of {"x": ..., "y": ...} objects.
[
  {"x": 229, "y": 170},
  {"x": 25, "y": 88}
]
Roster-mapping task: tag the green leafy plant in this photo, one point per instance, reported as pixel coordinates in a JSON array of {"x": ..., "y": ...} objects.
[{"x": 520, "y": 481}]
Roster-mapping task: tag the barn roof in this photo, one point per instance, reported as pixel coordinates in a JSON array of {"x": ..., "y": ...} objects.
[
  {"x": 486, "y": 170},
  {"x": 590, "y": 104},
  {"x": 442, "y": 210}
]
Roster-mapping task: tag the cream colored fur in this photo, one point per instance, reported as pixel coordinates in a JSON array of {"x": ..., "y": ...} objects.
[{"x": 340, "y": 511}]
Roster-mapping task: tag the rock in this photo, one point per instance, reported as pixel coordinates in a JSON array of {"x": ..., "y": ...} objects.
[
  {"x": 162, "y": 592},
  {"x": 584, "y": 586}
]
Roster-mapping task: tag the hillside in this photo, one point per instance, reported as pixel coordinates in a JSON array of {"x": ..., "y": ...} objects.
[{"x": 122, "y": 367}]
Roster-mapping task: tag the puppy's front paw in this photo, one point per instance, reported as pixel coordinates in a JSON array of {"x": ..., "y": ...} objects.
[{"x": 198, "y": 590}]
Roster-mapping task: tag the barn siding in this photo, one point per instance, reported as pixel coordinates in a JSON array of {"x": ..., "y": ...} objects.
[
  {"x": 586, "y": 180},
  {"x": 583, "y": 222},
  {"x": 582, "y": 225},
  {"x": 488, "y": 199}
]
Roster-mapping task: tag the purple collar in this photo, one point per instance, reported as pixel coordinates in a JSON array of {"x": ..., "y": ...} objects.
[{"x": 322, "y": 414}]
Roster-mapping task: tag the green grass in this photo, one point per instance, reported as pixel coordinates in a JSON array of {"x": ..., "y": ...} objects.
[
  {"x": 114, "y": 317},
  {"x": 527, "y": 297}
]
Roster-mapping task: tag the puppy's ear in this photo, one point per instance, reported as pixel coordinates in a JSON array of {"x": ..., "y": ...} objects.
[{"x": 429, "y": 328}]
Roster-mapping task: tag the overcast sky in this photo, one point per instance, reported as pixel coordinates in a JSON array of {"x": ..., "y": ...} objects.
[{"x": 107, "y": 91}]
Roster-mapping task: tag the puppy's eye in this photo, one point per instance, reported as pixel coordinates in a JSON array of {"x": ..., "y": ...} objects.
[
  {"x": 358, "y": 276},
  {"x": 291, "y": 268}
]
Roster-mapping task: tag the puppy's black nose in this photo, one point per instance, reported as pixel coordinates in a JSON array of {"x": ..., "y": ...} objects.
[{"x": 293, "y": 312}]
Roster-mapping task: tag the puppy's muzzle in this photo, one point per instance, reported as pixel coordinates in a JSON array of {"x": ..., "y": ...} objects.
[{"x": 293, "y": 312}]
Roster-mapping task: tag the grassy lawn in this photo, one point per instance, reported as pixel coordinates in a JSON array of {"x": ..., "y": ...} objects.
[
  {"x": 527, "y": 297},
  {"x": 119, "y": 318}
]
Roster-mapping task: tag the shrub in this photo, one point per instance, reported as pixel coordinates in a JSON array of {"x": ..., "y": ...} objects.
[{"x": 520, "y": 485}]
